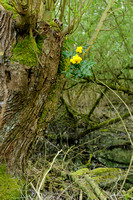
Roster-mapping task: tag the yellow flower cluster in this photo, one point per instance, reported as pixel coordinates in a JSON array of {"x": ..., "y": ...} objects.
[
  {"x": 79, "y": 49},
  {"x": 76, "y": 59}
]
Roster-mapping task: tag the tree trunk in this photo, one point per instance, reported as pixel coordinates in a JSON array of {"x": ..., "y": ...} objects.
[{"x": 28, "y": 95}]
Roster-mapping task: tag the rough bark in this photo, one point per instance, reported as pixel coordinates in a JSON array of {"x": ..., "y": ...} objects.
[{"x": 32, "y": 94}]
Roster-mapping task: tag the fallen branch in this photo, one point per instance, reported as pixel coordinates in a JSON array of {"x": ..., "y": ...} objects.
[
  {"x": 44, "y": 177},
  {"x": 95, "y": 187},
  {"x": 100, "y": 125},
  {"x": 82, "y": 183}
]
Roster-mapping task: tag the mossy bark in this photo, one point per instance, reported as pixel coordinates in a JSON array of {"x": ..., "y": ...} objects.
[{"x": 32, "y": 94}]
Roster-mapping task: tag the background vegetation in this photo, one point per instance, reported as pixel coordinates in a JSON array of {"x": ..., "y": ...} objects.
[{"x": 86, "y": 152}]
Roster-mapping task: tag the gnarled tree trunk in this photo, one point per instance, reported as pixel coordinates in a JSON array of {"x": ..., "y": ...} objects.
[{"x": 28, "y": 95}]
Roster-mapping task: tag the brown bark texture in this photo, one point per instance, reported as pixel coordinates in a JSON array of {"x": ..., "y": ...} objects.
[{"x": 28, "y": 95}]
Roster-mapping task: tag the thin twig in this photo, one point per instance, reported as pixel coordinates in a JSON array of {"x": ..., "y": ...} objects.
[
  {"x": 96, "y": 103},
  {"x": 44, "y": 177},
  {"x": 119, "y": 98},
  {"x": 72, "y": 22},
  {"x": 62, "y": 10},
  {"x": 36, "y": 191},
  {"x": 120, "y": 119},
  {"x": 99, "y": 26},
  {"x": 130, "y": 165}
]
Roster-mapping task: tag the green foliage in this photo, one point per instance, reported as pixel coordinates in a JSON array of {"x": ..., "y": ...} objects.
[
  {"x": 6, "y": 5},
  {"x": 9, "y": 186},
  {"x": 79, "y": 70},
  {"x": 81, "y": 172},
  {"x": 128, "y": 194},
  {"x": 82, "y": 70},
  {"x": 26, "y": 50},
  {"x": 112, "y": 49},
  {"x": 74, "y": 71}
]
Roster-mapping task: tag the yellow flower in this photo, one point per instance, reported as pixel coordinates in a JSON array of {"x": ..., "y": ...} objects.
[
  {"x": 79, "y": 49},
  {"x": 72, "y": 61},
  {"x": 76, "y": 59},
  {"x": 66, "y": 37}
]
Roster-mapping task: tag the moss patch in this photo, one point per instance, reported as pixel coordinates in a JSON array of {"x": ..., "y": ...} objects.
[
  {"x": 9, "y": 186},
  {"x": 63, "y": 64},
  {"x": 106, "y": 176},
  {"x": 8, "y": 7},
  {"x": 54, "y": 26},
  {"x": 48, "y": 106},
  {"x": 81, "y": 172},
  {"x": 40, "y": 40},
  {"x": 102, "y": 176},
  {"x": 25, "y": 52}
]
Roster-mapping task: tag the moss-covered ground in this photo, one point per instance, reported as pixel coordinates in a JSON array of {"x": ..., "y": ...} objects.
[{"x": 10, "y": 187}]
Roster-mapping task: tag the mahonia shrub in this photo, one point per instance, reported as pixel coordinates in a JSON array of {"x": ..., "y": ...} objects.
[{"x": 78, "y": 68}]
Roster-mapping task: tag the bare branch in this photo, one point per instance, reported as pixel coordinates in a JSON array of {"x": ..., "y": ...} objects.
[
  {"x": 62, "y": 9},
  {"x": 99, "y": 26},
  {"x": 75, "y": 20},
  {"x": 100, "y": 125}
]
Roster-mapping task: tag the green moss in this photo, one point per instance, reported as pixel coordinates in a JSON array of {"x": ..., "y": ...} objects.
[
  {"x": 81, "y": 172},
  {"x": 46, "y": 109},
  {"x": 105, "y": 176},
  {"x": 8, "y": 7},
  {"x": 102, "y": 176},
  {"x": 64, "y": 64},
  {"x": 9, "y": 186},
  {"x": 101, "y": 171},
  {"x": 48, "y": 106},
  {"x": 25, "y": 52},
  {"x": 118, "y": 155},
  {"x": 54, "y": 26},
  {"x": 40, "y": 40},
  {"x": 128, "y": 194},
  {"x": 43, "y": 115}
]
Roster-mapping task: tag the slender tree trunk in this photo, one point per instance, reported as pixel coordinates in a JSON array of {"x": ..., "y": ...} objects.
[{"x": 28, "y": 95}]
